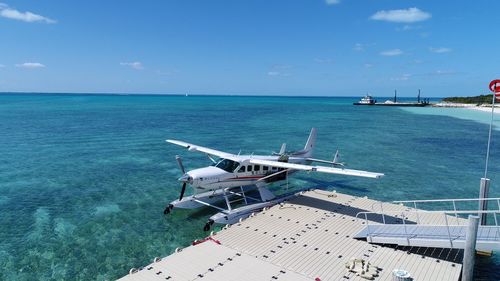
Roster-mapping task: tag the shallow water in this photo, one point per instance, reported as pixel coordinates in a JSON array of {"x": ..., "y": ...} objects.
[{"x": 84, "y": 178}]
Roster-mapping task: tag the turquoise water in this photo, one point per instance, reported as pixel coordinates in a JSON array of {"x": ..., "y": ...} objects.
[{"x": 84, "y": 178}]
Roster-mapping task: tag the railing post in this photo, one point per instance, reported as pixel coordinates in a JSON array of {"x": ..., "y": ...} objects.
[
  {"x": 406, "y": 232},
  {"x": 416, "y": 212},
  {"x": 455, "y": 209},
  {"x": 448, "y": 229},
  {"x": 368, "y": 235},
  {"x": 483, "y": 199},
  {"x": 382, "y": 211},
  {"x": 496, "y": 225},
  {"x": 470, "y": 249}
]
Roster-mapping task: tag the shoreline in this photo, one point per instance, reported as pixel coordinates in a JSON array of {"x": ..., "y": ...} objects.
[{"x": 483, "y": 107}]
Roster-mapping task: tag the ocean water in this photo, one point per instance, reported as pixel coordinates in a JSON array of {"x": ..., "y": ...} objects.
[{"x": 84, "y": 178}]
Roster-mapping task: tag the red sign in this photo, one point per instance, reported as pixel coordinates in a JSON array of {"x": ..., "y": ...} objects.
[{"x": 495, "y": 86}]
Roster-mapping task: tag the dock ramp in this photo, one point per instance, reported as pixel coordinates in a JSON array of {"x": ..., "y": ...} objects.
[
  {"x": 438, "y": 236},
  {"x": 420, "y": 228}
]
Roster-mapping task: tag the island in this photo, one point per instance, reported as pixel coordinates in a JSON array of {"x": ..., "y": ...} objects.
[
  {"x": 478, "y": 100},
  {"x": 481, "y": 103}
]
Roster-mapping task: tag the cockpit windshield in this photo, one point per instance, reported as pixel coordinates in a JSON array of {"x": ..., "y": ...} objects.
[{"x": 226, "y": 165}]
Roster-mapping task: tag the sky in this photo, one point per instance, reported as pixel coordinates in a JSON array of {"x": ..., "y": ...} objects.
[{"x": 250, "y": 47}]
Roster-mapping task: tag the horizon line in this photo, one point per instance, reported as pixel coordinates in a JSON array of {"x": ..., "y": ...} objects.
[{"x": 193, "y": 95}]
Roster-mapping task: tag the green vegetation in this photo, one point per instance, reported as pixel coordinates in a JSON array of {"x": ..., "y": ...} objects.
[{"x": 475, "y": 100}]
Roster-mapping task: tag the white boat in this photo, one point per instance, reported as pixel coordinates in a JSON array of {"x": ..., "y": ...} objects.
[{"x": 366, "y": 100}]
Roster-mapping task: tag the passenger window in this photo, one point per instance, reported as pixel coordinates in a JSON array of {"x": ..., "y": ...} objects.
[
  {"x": 274, "y": 168},
  {"x": 249, "y": 169},
  {"x": 257, "y": 168},
  {"x": 265, "y": 168},
  {"x": 242, "y": 169}
]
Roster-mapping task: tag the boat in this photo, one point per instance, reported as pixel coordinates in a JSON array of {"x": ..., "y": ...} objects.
[
  {"x": 366, "y": 100},
  {"x": 419, "y": 103}
]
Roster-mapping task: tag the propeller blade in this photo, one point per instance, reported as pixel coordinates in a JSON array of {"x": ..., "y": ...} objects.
[
  {"x": 179, "y": 161},
  {"x": 182, "y": 191}
]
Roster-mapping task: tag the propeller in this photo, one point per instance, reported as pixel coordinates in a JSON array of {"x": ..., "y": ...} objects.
[
  {"x": 179, "y": 161},
  {"x": 182, "y": 191},
  {"x": 184, "y": 178}
]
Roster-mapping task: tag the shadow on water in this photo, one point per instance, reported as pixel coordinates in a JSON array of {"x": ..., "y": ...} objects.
[
  {"x": 347, "y": 209},
  {"x": 452, "y": 255},
  {"x": 326, "y": 185}
]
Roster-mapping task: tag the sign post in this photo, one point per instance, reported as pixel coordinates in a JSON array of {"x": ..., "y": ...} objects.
[
  {"x": 485, "y": 182},
  {"x": 495, "y": 88}
]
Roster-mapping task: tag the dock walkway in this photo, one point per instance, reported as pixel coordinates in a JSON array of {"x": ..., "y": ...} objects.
[{"x": 307, "y": 238}]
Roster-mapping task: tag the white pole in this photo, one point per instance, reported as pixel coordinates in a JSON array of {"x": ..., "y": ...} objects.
[
  {"x": 470, "y": 249},
  {"x": 489, "y": 136},
  {"x": 484, "y": 188}
]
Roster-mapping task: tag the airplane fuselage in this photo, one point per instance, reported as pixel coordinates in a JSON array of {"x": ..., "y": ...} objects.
[{"x": 228, "y": 173}]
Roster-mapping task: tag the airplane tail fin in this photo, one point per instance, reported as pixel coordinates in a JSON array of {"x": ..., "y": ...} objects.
[
  {"x": 283, "y": 149},
  {"x": 311, "y": 143}
]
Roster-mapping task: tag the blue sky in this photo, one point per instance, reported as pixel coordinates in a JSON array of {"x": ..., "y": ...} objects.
[{"x": 256, "y": 47}]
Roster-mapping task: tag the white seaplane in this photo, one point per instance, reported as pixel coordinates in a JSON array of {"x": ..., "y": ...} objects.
[{"x": 231, "y": 176}]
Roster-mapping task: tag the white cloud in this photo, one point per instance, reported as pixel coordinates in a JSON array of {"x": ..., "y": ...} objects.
[
  {"x": 10, "y": 13},
  {"x": 391, "y": 53},
  {"x": 137, "y": 65},
  {"x": 403, "y": 77},
  {"x": 440, "y": 50},
  {"x": 406, "y": 16},
  {"x": 444, "y": 72},
  {"x": 332, "y": 2},
  {"x": 368, "y": 65},
  {"x": 360, "y": 47},
  {"x": 1, "y": 65},
  {"x": 30, "y": 65}
]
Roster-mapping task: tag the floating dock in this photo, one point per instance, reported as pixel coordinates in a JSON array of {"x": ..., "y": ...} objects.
[
  {"x": 407, "y": 104},
  {"x": 310, "y": 237}
]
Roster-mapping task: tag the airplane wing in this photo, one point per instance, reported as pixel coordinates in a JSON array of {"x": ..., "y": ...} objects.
[
  {"x": 193, "y": 147},
  {"x": 321, "y": 169}
]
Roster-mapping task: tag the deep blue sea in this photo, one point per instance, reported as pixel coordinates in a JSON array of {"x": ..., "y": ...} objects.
[{"x": 84, "y": 178}]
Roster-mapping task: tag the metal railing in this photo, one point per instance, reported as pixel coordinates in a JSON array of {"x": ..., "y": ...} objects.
[
  {"x": 405, "y": 221},
  {"x": 454, "y": 203}
]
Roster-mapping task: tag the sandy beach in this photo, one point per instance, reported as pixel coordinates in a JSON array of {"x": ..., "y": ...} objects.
[{"x": 485, "y": 108}]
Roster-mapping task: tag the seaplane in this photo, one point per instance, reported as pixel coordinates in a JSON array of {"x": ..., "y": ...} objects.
[{"x": 231, "y": 177}]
